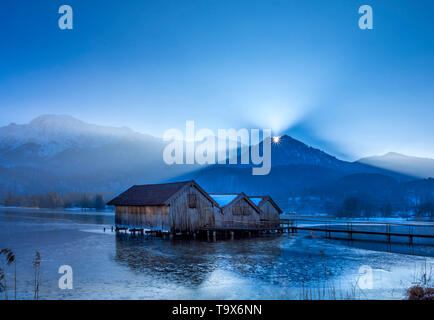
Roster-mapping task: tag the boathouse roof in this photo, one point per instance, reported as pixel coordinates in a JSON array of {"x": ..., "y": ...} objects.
[
  {"x": 225, "y": 199},
  {"x": 257, "y": 200},
  {"x": 153, "y": 194}
]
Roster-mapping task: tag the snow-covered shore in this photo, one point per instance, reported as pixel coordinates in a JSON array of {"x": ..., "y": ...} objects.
[{"x": 83, "y": 211}]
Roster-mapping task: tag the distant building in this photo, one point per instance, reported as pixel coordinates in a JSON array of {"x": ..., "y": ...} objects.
[
  {"x": 236, "y": 210},
  {"x": 168, "y": 207},
  {"x": 270, "y": 211}
]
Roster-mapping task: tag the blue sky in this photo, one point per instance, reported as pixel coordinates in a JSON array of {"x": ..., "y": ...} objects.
[{"x": 301, "y": 67}]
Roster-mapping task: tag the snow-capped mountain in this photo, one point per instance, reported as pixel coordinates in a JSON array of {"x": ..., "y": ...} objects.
[
  {"x": 49, "y": 135},
  {"x": 62, "y": 153}
]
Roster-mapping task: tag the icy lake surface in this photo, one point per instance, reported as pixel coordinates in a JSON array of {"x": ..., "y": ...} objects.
[{"x": 110, "y": 266}]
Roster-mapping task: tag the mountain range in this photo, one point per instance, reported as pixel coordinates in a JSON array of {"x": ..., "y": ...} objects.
[{"x": 61, "y": 153}]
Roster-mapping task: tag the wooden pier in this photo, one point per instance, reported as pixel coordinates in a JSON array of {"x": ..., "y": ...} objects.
[
  {"x": 351, "y": 228},
  {"x": 328, "y": 227}
]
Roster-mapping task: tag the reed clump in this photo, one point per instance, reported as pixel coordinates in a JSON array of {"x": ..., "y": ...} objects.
[
  {"x": 37, "y": 269},
  {"x": 424, "y": 284},
  {"x": 9, "y": 260},
  {"x": 420, "y": 293}
]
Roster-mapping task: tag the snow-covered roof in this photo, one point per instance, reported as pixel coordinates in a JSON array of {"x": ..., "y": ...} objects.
[
  {"x": 224, "y": 199},
  {"x": 255, "y": 200}
]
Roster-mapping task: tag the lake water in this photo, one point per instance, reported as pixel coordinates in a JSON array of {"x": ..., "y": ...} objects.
[{"x": 286, "y": 266}]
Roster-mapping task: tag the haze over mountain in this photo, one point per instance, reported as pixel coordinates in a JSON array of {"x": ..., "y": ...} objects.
[
  {"x": 413, "y": 166},
  {"x": 61, "y": 153}
]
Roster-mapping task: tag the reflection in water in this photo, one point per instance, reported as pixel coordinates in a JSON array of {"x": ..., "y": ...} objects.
[
  {"x": 282, "y": 260},
  {"x": 179, "y": 261},
  {"x": 191, "y": 262}
]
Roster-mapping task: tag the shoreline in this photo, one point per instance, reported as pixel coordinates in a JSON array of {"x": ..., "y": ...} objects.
[{"x": 77, "y": 211}]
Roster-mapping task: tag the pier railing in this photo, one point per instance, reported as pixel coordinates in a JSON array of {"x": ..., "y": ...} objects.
[{"x": 356, "y": 227}]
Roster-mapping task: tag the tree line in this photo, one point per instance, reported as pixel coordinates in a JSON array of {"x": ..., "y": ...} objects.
[
  {"x": 52, "y": 200},
  {"x": 362, "y": 207}
]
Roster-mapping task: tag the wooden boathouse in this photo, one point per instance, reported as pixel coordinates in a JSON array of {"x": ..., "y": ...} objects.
[
  {"x": 270, "y": 211},
  {"x": 236, "y": 211},
  {"x": 186, "y": 208},
  {"x": 168, "y": 207}
]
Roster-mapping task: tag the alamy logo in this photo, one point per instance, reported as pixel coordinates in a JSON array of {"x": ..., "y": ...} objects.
[
  {"x": 65, "y": 281},
  {"x": 366, "y": 279},
  {"x": 204, "y": 147},
  {"x": 65, "y": 21},
  {"x": 366, "y": 21}
]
